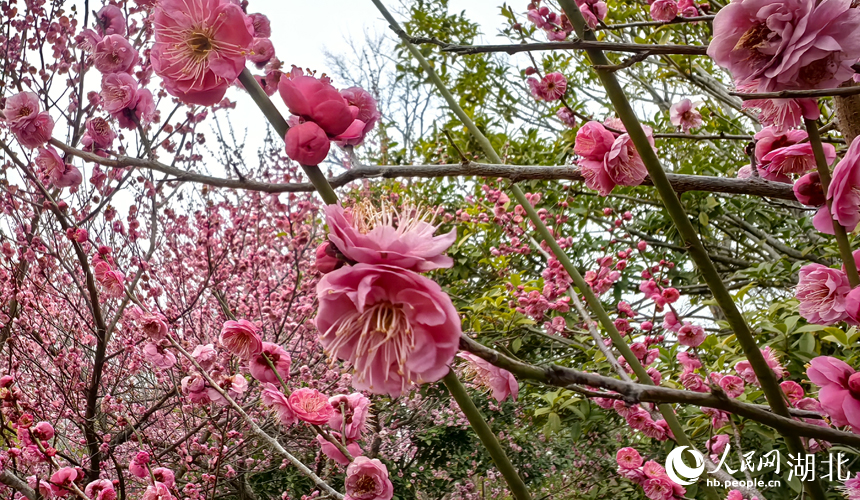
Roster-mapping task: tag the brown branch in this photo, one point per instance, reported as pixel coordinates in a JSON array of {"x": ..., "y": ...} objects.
[
  {"x": 696, "y": 50},
  {"x": 634, "y": 393},
  {"x": 796, "y": 94},
  {"x": 640, "y": 24},
  {"x": 681, "y": 183},
  {"x": 18, "y": 484}
]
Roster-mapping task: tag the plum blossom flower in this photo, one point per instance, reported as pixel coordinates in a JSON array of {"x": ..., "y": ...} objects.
[
  {"x": 593, "y": 11},
  {"x": 332, "y": 451},
  {"x": 113, "y": 283},
  {"x": 350, "y": 414},
  {"x": 808, "y": 190},
  {"x": 157, "y": 491},
  {"x": 114, "y": 54},
  {"x": 664, "y": 10},
  {"x": 781, "y": 114},
  {"x": 368, "y": 113},
  {"x": 787, "y": 44},
  {"x": 63, "y": 479},
  {"x": 164, "y": 475},
  {"x": 844, "y": 190},
  {"x": 395, "y": 327},
  {"x": 139, "y": 464},
  {"x": 327, "y": 260},
  {"x": 101, "y": 489},
  {"x": 311, "y": 406},
  {"x": 233, "y": 385},
  {"x": 205, "y": 355},
  {"x": 821, "y": 292},
  {"x": 111, "y": 21},
  {"x": 262, "y": 25},
  {"x": 367, "y": 479},
  {"x": 628, "y": 458},
  {"x": 307, "y": 143},
  {"x": 43, "y": 431},
  {"x": 158, "y": 355},
  {"x": 59, "y": 173},
  {"x": 501, "y": 382},
  {"x": 241, "y": 338},
  {"x": 31, "y": 126},
  {"x": 260, "y": 369},
  {"x": 154, "y": 325},
  {"x": 369, "y": 236},
  {"x": 550, "y": 88},
  {"x": 262, "y": 51},
  {"x": 796, "y": 159},
  {"x": 606, "y": 160},
  {"x": 792, "y": 390},
  {"x": 734, "y": 386},
  {"x": 840, "y": 390},
  {"x": 200, "y": 47},
  {"x": 566, "y": 116},
  {"x": 277, "y": 402},
  {"x": 683, "y": 114},
  {"x": 99, "y": 134},
  {"x": 119, "y": 92}
]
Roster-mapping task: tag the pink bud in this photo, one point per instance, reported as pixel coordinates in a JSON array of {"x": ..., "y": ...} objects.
[{"x": 307, "y": 143}]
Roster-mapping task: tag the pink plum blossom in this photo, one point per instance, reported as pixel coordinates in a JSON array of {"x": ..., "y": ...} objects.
[
  {"x": 844, "y": 190},
  {"x": 664, "y": 10},
  {"x": 31, "y": 126},
  {"x": 59, "y": 173},
  {"x": 501, "y": 382},
  {"x": 307, "y": 143},
  {"x": 316, "y": 100},
  {"x": 821, "y": 292},
  {"x": 734, "y": 386},
  {"x": 628, "y": 458},
  {"x": 311, "y": 406},
  {"x": 368, "y": 113},
  {"x": 350, "y": 414},
  {"x": 333, "y": 452},
  {"x": 241, "y": 338},
  {"x": 111, "y": 21},
  {"x": 114, "y": 54},
  {"x": 796, "y": 159},
  {"x": 683, "y": 114},
  {"x": 200, "y": 47},
  {"x": 808, "y": 190},
  {"x": 840, "y": 390},
  {"x": 370, "y": 236},
  {"x": 277, "y": 402},
  {"x": 262, "y": 371},
  {"x": 787, "y": 44},
  {"x": 395, "y": 327},
  {"x": 157, "y": 491},
  {"x": 205, "y": 355},
  {"x": 161, "y": 358},
  {"x": 100, "y": 489},
  {"x": 367, "y": 479},
  {"x": 139, "y": 463}
]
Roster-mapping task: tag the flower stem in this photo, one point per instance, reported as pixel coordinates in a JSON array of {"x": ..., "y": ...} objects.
[
  {"x": 485, "y": 434},
  {"x": 838, "y": 231},
  {"x": 697, "y": 251},
  {"x": 277, "y": 121}
]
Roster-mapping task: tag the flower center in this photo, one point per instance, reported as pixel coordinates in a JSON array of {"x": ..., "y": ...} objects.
[
  {"x": 364, "y": 485},
  {"x": 817, "y": 71},
  {"x": 755, "y": 38},
  {"x": 200, "y": 44},
  {"x": 25, "y": 111}
]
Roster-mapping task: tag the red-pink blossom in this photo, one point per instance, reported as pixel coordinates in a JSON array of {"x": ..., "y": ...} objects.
[
  {"x": 367, "y": 479},
  {"x": 691, "y": 335},
  {"x": 326, "y": 260},
  {"x": 200, "y": 47},
  {"x": 771, "y": 138},
  {"x": 154, "y": 325},
  {"x": 63, "y": 479},
  {"x": 111, "y": 21},
  {"x": 233, "y": 385},
  {"x": 59, "y": 173},
  {"x": 318, "y": 101},
  {"x": 114, "y": 54},
  {"x": 395, "y": 327},
  {"x": 821, "y": 292},
  {"x": 262, "y": 51},
  {"x": 683, "y": 114},
  {"x": 664, "y": 10},
  {"x": 99, "y": 133},
  {"x": 31, "y": 126},
  {"x": 262, "y": 371},
  {"x": 787, "y": 44},
  {"x": 796, "y": 159},
  {"x": 157, "y": 491},
  {"x": 119, "y": 92},
  {"x": 734, "y": 386},
  {"x": 311, "y": 406},
  {"x": 113, "y": 283},
  {"x": 307, "y": 143},
  {"x": 277, "y": 402},
  {"x": 500, "y": 381},
  {"x": 550, "y": 88},
  {"x": 623, "y": 163},
  {"x": 43, "y": 431},
  {"x": 163, "y": 475},
  {"x": 205, "y": 355},
  {"x": 350, "y": 414},
  {"x": 139, "y": 463},
  {"x": 593, "y": 11},
  {"x": 566, "y": 116},
  {"x": 368, "y": 113},
  {"x": 262, "y": 25},
  {"x": 793, "y": 391},
  {"x": 628, "y": 458},
  {"x": 157, "y": 354},
  {"x": 383, "y": 236},
  {"x": 241, "y": 338},
  {"x": 809, "y": 191},
  {"x": 844, "y": 190},
  {"x": 840, "y": 390},
  {"x": 333, "y": 452},
  {"x": 100, "y": 489}
]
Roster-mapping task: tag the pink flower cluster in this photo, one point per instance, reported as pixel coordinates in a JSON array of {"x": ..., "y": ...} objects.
[
  {"x": 772, "y": 45},
  {"x": 395, "y": 327},
  {"x": 651, "y": 476},
  {"x": 322, "y": 114},
  {"x": 745, "y": 370},
  {"x": 609, "y": 159},
  {"x": 557, "y": 26},
  {"x": 549, "y": 88},
  {"x": 25, "y": 118}
]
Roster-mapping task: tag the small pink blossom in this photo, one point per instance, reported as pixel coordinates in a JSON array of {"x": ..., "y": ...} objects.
[
  {"x": 205, "y": 355},
  {"x": 628, "y": 458},
  {"x": 821, "y": 292},
  {"x": 139, "y": 464},
  {"x": 683, "y": 114},
  {"x": 63, "y": 479},
  {"x": 111, "y": 21},
  {"x": 262, "y": 371},
  {"x": 808, "y": 190},
  {"x": 350, "y": 414},
  {"x": 316, "y": 100},
  {"x": 333, "y": 452},
  {"x": 59, "y": 173},
  {"x": 114, "y": 54},
  {"x": 163, "y": 475},
  {"x": 262, "y": 25},
  {"x": 31, "y": 126},
  {"x": 99, "y": 134},
  {"x": 277, "y": 402},
  {"x": 43, "y": 431},
  {"x": 161, "y": 358},
  {"x": 368, "y": 113},
  {"x": 241, "y": 338},
  {"x": 796, "y": 159},
  {"x": 792, "y": 390},
  {"x": 307, "y": 143},
  {"x": 157, "y": 491},
  {"x": 262, "y": 51},
  {"x": 119, "y": 92},
  {"x": 664, "y": 10},
  {"x": 734, "y": 386},
  {"x": 367, "y": 479},
  {"x": 311, "y": 406},
  {"x": 501, "y": 382},
  {"x": 691, "y": 335},
  {"x": 101, "y": 489}
]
